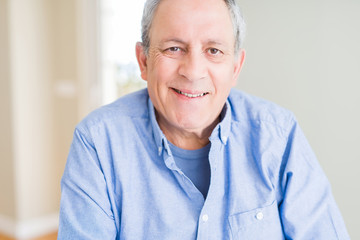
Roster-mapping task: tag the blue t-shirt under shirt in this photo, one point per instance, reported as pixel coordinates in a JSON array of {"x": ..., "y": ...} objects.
[{"x": 195, "y": 165}]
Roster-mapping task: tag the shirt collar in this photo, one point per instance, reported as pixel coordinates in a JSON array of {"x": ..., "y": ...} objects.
[
  {"x": 159, "y": 136},
  {"x": 221, "y": 131}
]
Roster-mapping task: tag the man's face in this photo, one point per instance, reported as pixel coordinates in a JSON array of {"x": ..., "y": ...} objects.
[{"x": 191, "y": 65}]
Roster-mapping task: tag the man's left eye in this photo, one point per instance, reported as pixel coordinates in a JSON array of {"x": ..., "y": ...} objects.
[{"x": 214, "y": 51}]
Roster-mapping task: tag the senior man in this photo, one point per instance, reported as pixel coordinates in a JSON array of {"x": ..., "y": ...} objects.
[{"x": 189, "y": 158}]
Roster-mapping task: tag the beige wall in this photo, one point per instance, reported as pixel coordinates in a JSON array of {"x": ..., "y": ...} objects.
[
  {"x": 32, "y": 106},
  {"x": 7, "y": 180},
  {"x": 65, "y": 71},
  {"x": 38, "y": 58},
  {"x": 305, "y": 56}
]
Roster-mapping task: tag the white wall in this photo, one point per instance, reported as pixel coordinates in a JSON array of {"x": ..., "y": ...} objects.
[{"x": 305, "y": 56}]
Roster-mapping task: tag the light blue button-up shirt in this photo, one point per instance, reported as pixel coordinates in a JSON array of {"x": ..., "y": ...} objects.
[{"x": 121, "y": 180}]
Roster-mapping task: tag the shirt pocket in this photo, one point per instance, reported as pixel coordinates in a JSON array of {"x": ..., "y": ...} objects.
[{"x": 261, "y": 223}]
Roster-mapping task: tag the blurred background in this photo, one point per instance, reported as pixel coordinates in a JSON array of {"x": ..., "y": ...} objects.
[{"x": 60, "y": 59}]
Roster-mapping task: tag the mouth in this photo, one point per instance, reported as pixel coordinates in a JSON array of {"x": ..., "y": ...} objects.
[{"x": 190, "y": 95}]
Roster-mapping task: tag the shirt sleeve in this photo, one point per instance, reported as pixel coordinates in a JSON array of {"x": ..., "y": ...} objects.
[
  {"x": 308, "y": 209},
  {"x": 85, "y": 209}
]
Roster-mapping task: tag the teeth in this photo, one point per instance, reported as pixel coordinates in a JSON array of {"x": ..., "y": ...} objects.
[{"x": 191, "y": 95}]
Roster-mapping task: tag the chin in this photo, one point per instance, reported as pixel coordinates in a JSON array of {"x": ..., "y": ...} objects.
[{"x": 192, "y": 124}]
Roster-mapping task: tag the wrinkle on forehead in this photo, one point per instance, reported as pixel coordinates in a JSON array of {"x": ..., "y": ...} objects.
[{"x": 196, "y": 19}]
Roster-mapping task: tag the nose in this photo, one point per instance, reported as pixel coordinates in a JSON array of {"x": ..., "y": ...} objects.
[{"x": 193, "y": 66}]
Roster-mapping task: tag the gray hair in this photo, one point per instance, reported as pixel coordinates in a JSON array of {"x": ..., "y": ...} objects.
[{"x": 234, "y": 10}]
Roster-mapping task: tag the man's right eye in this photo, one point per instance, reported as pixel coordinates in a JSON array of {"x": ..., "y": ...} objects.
[{"x": 174, "y": 49}]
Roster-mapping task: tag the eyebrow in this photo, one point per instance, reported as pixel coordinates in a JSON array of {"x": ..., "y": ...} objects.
[
  {"x": 177, "y": 40},
  {"x": 209, "y": 41},
  {"x": 215, "y": 42}
]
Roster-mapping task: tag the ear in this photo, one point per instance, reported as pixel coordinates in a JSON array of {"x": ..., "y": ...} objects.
[
  {"x": 239, "y": 62},
  {"x": 142, "y": 60}
]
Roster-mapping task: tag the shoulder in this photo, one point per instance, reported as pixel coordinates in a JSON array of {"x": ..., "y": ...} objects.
[
  {"x": 249, "y": 109},
  {"x": 131, "y": 106}
]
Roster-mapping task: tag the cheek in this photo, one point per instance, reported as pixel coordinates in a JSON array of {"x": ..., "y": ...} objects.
[
  {"x": 223, "y": 78},
  {"x": 163, "y": 70},
  {"x": 160, "y": 77}
]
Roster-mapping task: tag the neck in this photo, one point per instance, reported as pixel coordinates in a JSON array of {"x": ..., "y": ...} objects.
[
  {"x": 188, "y": 142},
  {"x": 188, "y": 139}
]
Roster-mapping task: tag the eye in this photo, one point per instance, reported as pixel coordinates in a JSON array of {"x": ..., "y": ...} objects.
[
  {"x": 214, "y": 51},
  {"x": 174, "y": 49}
]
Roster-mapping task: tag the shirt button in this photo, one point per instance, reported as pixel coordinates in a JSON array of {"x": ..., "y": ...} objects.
[
  {"x": 205, "y": 218},
  {"x": 259, "y": 216}
]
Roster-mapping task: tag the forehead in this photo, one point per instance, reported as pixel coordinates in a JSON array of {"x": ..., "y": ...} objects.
[{"x": 192, "y": 19}]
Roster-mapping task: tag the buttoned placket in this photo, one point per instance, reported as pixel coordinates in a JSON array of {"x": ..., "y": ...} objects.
[
  {"x": 218, "y": 139},
  {"x": 197, "y": 199},
  {"x": 186, "y": 184},
  {"x": 206, "y": 216}
]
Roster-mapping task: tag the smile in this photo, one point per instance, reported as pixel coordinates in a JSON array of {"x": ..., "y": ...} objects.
[{"x": 189, "y": 95}]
